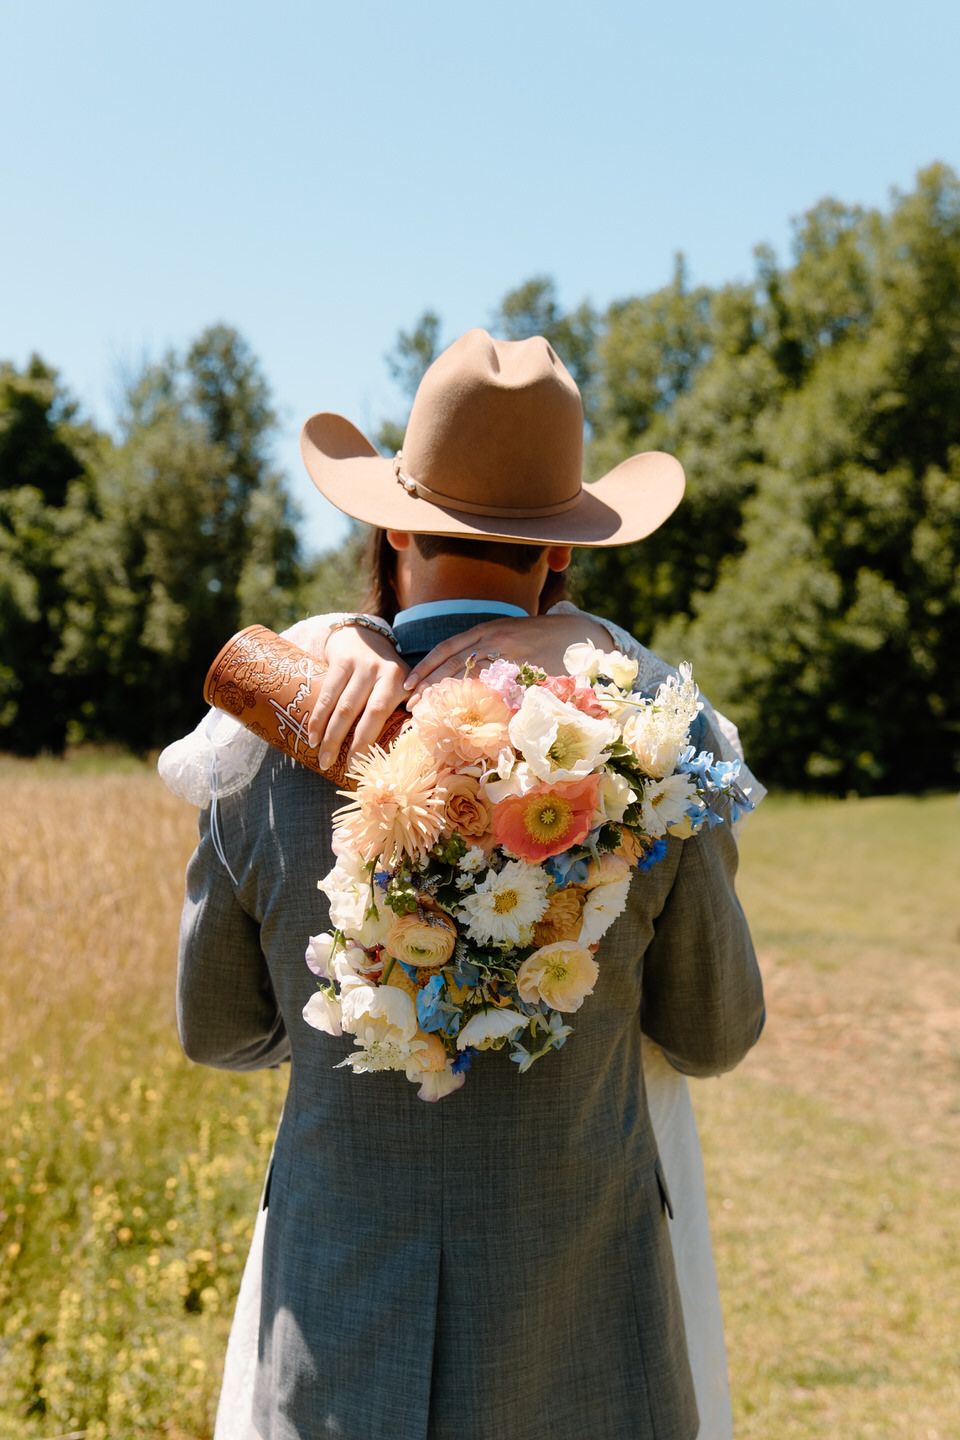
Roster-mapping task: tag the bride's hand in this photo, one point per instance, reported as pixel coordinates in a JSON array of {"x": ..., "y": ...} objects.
[
  {"x": 539, "y": 639},
  {"x": 365, "y": 678}
]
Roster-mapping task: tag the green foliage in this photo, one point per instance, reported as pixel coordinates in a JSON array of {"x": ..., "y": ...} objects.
[
  {"x": 46, "y": 499},
  {"x": 127, "y": 1221},
  {"x": 832, "y": 631},
  {"x": 124, "y": 567},
  {"x": 810, "y": 574},
  {"x": 413, "y": 353},
  {"x": 336, "y": 580},
  {"x": 534, "y": 309}
]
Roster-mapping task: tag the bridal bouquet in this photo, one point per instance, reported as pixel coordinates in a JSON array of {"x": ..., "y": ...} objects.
[{"x": 487, "y": 850}]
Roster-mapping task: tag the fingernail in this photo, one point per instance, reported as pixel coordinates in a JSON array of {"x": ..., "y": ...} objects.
[
  {"x": 325, "y": 760},
  {"x": 412, "y": 681}
]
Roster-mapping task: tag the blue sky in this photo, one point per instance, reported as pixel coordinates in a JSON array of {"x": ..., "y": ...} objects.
[{"x": 317, "y": 176}]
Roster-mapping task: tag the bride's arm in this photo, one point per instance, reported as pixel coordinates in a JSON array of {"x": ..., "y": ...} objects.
[
  {"x": 364, "y": 682},
  {"x": 366, "y": 679},
  {"x": 538, "y": 639}
]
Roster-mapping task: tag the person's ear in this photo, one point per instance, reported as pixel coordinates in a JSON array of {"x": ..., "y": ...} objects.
[
  {"x": 558, "y": 557},
  {"x": 399, "y": 539}
]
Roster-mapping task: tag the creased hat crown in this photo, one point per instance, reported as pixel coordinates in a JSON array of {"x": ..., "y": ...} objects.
[
  {"x": 497, "y": 426},
  {"x": 493, "y": 449}
]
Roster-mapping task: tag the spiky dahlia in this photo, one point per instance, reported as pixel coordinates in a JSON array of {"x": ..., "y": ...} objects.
[{"x": 396, "y": 807}]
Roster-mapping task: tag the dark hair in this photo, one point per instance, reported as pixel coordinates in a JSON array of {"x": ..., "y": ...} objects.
[{"x": 380, "y": 560}]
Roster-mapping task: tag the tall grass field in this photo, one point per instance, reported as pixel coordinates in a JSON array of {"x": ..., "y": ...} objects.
[{"x": 131, "y": 1177}]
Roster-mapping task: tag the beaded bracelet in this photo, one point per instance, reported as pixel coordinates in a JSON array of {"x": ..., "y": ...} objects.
[{"x": 366, "y": 622}]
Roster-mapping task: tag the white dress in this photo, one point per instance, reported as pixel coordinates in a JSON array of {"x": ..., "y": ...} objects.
[{"x": 218, "y": 759}]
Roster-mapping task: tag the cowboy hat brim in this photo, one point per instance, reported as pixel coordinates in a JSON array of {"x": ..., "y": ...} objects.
[{"x": 627, "y": 504}]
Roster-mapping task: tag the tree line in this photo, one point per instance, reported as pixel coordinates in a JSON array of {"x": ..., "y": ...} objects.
[{"x": 811, "y": 573}]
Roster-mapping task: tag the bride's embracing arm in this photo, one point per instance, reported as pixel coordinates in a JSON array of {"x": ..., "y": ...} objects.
[
  {"x": 539, "y": 639},
  {"x": 367, "y": 679}
]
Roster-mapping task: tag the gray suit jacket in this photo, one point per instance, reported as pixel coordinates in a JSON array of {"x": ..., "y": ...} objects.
[{"x": 495, "y": 1266}]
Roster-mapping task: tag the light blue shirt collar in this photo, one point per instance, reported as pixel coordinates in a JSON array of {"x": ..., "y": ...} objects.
[{"x": 456, "y": 607}]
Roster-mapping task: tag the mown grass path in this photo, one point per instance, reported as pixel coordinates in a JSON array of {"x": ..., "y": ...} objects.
[{"x": 833, "y": 1152}]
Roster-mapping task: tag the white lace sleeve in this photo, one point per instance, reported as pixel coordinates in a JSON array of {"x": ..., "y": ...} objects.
[
  {"x": 652, "y": 672},
  {"x": 221, "y": 756}
]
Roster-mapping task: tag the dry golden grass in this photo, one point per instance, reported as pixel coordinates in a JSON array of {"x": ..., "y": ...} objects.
[
  {"x": 131, "y": 1177},
  {"x": 91, "y": 883}
]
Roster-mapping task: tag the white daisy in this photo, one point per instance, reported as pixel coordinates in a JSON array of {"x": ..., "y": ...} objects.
[
  {"x": 506, "y": 904},
  {"x": 665, "y": 802}
]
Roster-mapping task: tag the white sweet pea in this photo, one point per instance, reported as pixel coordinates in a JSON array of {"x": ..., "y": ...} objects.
[
  {"x": 506, "y": 761},
  {"x": 320, "y": 949},
  {"x": 348, "y": 889},
  {"x": 437, "y": 1083},
  {"x": 583, "y": 661},
  {"x": 621, "y": 669},
  {"x": 345, "y": 972},
  {"x": 609, "y": 883},
  {"x": 323, "y": 1013},
  {"x": 378, "y": 1013},
  {"x": 520, "y": 780},
  {"x": 614, "y": 795},
  {"x": 557, "y": 740}
]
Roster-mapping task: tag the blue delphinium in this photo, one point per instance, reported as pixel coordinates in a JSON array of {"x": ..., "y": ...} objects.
[
  {"x": 567, "y": 869},
  {"x": 653, "y": 854},
  {"x": 434, "y": 1013}
]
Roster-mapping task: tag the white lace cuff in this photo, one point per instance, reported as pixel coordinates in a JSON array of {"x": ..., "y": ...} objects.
[{"x": 221, "y": 756}]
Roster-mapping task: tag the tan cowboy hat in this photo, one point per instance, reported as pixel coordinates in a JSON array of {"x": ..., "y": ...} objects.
[{"x": 493, "y": 448}]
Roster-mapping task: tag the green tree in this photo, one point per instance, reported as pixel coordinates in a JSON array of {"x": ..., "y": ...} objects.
[
  {"x": 194, "y": 538},
  {"x": 832, "y": 631},
  {"x": 45, "y": 497},
  {"x": 414, "y": 351}
]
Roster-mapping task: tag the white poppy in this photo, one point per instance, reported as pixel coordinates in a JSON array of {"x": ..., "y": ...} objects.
[{"x": 557, "y": 740}]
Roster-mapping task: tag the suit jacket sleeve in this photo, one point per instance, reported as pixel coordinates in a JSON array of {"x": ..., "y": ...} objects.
[
  {"x": 227, "y": 1012},
  {"x": 702, "y": 998}
]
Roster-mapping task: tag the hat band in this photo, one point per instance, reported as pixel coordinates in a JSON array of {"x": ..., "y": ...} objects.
[{"x": 449, "y": 502}]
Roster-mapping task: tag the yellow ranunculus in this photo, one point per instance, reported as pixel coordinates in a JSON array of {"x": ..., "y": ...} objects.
[{"x": 425, "y": 939}]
